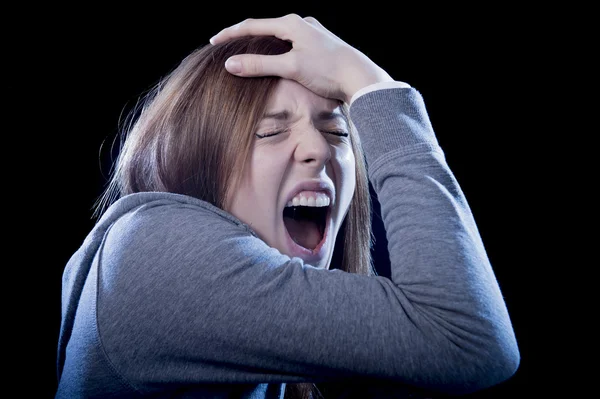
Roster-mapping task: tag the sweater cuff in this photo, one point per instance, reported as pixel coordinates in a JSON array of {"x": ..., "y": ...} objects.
[{"x": 378, "y": 86}]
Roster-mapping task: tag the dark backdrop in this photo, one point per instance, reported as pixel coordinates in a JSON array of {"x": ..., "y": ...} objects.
[{"x": 474, "y": 67}]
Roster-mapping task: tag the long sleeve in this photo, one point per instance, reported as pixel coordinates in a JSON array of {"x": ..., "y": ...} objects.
[
  {"x": 188, "y": 294},
  {"x": 438, "y": 259},
  {"x": 378, "y": 86}
]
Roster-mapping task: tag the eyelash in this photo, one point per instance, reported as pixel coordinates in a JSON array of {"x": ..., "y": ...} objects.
[{"x": 334, "y": 132}]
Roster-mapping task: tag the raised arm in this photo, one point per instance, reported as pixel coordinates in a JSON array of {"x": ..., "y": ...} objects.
[{"x": 241, "y": 311}]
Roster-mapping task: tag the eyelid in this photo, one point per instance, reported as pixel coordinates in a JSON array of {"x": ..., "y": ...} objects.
[
  {"x": 339, "y": 133},
  {"x": 262, "y": 136}
]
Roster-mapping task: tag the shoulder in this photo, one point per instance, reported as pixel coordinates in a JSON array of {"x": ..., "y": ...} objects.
[
  {"x": 156, "y": 215},
  {"x": 152, "y": 232}
]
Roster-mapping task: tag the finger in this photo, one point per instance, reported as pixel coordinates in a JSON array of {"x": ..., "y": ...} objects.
[
  {"x": 312, "y": 21},
  {"x": 278, "y": 27},
  {"x": 248, "y": 65}
]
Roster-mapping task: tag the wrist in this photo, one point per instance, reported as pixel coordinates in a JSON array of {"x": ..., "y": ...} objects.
[
  {"x": 360, "y": 85},
  {"x": 368, "y": 73},
  {"x": 378, "y": 86}
]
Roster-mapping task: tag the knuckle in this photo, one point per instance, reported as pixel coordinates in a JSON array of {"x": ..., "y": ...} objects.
[
  {"x": 243, "y": 23},
  {"x": 292, "y": 65},
  {"x": 293, "y": 17},
  {"x": 254, "y": 65}
]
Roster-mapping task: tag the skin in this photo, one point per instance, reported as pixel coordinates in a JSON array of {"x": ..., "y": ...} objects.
[{"x": 304, "y": 151}]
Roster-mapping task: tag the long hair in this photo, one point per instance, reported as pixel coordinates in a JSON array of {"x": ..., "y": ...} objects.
[{"x": 193, "y": 131}]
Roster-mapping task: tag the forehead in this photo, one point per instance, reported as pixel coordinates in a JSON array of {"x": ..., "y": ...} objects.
[{"x": 292, "y": 96}]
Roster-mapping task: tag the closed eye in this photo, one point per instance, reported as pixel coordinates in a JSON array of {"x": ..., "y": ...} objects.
[
  {"x": 334, "y": 132},
  {"x": 262, "y": 136}
]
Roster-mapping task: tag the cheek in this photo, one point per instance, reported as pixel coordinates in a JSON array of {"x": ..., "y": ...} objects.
[
  {"x": 250, "y": 199},
  {"x": 265, "y": 174},
  {"x": 260, "y": 189}
]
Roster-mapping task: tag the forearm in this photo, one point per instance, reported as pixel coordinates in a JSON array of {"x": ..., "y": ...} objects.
[{"x": 437, "y": 257}]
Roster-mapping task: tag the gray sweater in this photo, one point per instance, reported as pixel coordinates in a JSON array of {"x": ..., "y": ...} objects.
[{"x": 170, "y": 296}]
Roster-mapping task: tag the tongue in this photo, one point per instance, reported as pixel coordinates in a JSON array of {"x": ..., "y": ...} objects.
[{"x": 303, "y": 232}]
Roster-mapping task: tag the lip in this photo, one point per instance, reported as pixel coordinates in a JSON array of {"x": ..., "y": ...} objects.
[{"x": 319, "y": 253}]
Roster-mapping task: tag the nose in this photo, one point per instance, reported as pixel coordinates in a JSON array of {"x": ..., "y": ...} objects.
[{"x": 312, "y": 148}]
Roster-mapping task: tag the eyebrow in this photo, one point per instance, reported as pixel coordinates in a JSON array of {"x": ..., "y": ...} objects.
[{"x": 322, "y": 116}]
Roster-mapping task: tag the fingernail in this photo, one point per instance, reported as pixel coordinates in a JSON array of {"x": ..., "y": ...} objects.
[
  {"x": 233, "y": 66},
  {"x": 212, "y": 39}
]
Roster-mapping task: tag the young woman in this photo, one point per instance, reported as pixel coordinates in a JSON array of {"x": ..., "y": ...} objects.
[{"x": 232, "y": 255}]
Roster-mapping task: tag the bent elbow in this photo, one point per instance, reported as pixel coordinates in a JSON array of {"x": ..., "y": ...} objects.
[
  {"x": 492, "y": 365},
  {"x": 506, "y": 362}
]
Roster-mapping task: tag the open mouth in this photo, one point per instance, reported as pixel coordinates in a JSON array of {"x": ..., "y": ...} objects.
[{"x": 306, "y": 224}]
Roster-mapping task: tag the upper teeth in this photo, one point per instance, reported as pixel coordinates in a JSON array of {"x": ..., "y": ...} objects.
[{"x": 316, "y": 199}]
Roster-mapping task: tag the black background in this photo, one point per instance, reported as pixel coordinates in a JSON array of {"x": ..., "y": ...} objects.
[{"x": 478, "y": 70}]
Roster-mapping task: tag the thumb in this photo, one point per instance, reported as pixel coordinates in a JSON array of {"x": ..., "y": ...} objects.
[{"x": 258, "y": 65}]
